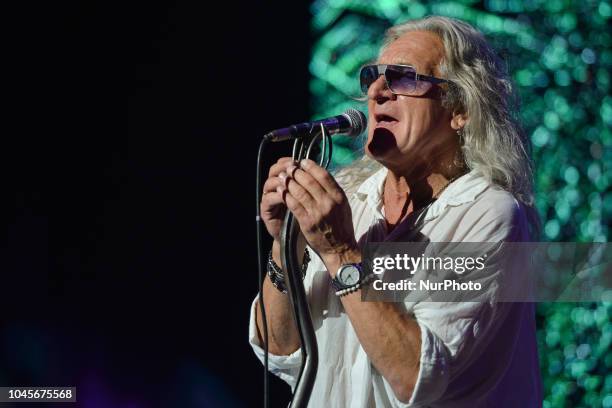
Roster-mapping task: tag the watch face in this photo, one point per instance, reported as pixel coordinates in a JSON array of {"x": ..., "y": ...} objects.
[{"x": 349, "y": 275}]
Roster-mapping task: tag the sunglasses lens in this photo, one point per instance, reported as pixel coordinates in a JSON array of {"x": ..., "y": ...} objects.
[
  {"x": 401, "y": 80},
  {"x": 368, "y": 75}
]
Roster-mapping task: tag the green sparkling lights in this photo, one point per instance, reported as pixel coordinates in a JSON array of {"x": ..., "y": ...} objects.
[{"x": 559, "y": 53}]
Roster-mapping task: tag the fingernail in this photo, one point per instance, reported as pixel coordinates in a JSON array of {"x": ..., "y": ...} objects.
[
  {"x": 290, "y": 170},
  {"x": 304, "y": 164},
  {"x": 280, "y": 189},
  {"x": 282, "y": 176}
]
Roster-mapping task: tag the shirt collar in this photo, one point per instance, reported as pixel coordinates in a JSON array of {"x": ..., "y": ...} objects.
[
  {"x": 371, "y": 191},
  {"x": 463, "y": 190}
]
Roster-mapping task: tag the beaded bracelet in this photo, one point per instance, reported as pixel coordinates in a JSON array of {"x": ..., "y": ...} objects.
[
  {"x": 276, "y": 274},
  {"x": 366, "y": 280}
]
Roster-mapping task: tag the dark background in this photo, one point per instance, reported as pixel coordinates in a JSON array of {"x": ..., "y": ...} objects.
[{"x": 128, "y": 255}]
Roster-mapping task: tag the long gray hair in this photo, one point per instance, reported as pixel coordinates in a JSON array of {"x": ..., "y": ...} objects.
[{"x": 492, "y": 141}]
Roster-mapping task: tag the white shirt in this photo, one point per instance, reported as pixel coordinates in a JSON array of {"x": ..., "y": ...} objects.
[{"x": 472, "y": 354}]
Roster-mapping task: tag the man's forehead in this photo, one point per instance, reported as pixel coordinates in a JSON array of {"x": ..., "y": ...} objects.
[{"x": 421, "y": 49}]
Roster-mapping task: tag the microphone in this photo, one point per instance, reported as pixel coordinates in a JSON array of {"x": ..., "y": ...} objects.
[{"x": 352, "y": 122}]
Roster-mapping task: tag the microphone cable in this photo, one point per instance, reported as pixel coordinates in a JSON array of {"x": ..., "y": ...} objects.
[{"x": 260, "y": 267}]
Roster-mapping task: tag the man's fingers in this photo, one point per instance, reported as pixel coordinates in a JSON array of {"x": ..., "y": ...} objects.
[
  {"x": 295, "y": 207},
  {"x": 271, "y": 184},
  {"x": 279, "y": 166},
  {"x": 271, "y": 199},
  {"x": 324, "y": 179},
  {"x": 299, "y": 193},
  {"x": 309, "y": 183}
]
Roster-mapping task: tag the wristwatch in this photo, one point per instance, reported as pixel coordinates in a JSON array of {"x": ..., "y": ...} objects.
[{"x": 349, "y": 278}]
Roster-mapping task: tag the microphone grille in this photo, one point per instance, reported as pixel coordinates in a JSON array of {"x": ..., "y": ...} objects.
[{"x": 357, "y": 120}]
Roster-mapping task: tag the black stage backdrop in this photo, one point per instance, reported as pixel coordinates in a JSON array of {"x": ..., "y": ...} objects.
[{"x": 128, "y": 255}]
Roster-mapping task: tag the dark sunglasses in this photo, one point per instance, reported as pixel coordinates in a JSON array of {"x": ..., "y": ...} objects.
[{"x": 400, "y": 79}]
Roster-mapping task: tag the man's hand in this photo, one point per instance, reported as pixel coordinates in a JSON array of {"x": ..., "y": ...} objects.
[
  {"x": 322, "y": 210},
  {"x": 272, "y": 206}
]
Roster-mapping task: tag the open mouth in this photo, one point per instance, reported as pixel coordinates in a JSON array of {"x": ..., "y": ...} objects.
[
  {"x": 383, "y": 141},
  {"x": 383, "y": 120}
]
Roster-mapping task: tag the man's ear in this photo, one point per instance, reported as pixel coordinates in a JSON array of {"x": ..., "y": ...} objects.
[{"x": 458, "y": 120}]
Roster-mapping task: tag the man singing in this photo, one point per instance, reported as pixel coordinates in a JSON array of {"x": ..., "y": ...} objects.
[{"x": 445, "y": 161}]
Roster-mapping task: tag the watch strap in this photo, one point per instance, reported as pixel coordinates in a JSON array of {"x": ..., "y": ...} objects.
[{"x": 342, "y": 289}]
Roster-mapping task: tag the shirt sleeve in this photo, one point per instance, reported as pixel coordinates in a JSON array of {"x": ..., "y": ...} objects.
[
  {"x": 433, "y": 376},
  {"x": 286, "y": 368},
  {"x": 466, "y": 347}
]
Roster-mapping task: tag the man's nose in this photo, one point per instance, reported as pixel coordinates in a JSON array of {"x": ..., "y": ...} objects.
[{"x": 379, "y": 91}]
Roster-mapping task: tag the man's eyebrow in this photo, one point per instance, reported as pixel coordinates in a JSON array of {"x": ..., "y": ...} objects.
[
  {"x": 429, "y": 70},
  {"x": 402, "y": 62}
]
